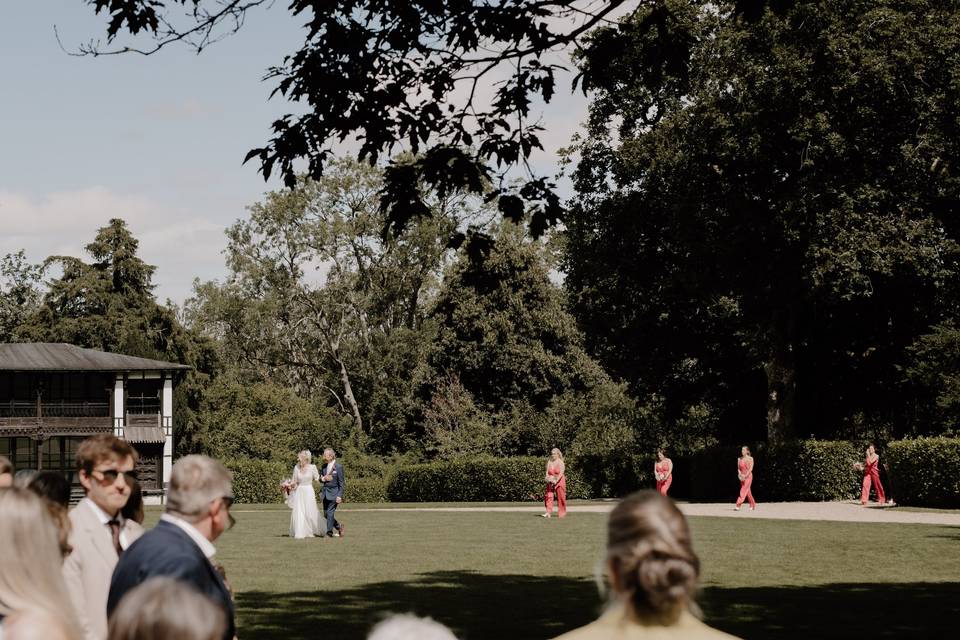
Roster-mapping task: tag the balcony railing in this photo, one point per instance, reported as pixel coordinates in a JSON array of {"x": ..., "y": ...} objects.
[
  {"x": 55, "y": 409},
  {"x": 13, "y": 409}
]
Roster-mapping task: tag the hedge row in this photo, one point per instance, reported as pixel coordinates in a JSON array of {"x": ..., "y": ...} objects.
[
  {"x": 801, "y": 470},
  {"x": 472, "y": 480},
  {"x": 925, "y": 471},
  {"x": 257, "y": 481}
]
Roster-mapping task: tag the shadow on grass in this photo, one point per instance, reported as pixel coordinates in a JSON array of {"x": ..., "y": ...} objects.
[
  {"x": 905, "y": 610},
  {"x": 477, "y": 606},
  {"x": 480, "y": 606}
]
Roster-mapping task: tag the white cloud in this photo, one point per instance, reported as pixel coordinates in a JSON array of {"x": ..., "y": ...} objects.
[{"x": 182, "y": 244}]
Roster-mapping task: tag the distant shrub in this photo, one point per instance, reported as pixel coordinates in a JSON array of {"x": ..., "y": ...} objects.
[
  {"x": 257, "y": 481},
  {"x": 810, "y": 470},
  {"x": 799, "y": 470},
  {"x": 480, "y": 479},
  {"x": 365, "y": 490},
  {"x": 924, "y": 471}
]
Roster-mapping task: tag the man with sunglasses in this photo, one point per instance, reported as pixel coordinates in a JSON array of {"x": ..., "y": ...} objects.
[
  {"x": 181, "y": 545},
  {"x": 100, "y": 533}
]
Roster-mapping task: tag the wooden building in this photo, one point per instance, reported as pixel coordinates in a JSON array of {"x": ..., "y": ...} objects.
[{"x": 52, "y": 396}]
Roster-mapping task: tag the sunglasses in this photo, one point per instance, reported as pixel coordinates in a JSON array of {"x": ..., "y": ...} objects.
[
  {"x": 110, "y": 475},
  {"x": 227, "y": 503}
]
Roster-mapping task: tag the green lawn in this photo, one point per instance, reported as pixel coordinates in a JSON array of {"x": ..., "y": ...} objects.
[{"x": 513, "y": 575}]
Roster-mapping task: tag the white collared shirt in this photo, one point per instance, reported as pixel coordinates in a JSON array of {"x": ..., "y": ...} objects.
[
  {"x": 105, "y": 518},
  {"x": 330, "y": 466},
  {"x": 205, "y": 545}
]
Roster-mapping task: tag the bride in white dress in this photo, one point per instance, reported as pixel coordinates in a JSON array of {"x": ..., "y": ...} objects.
[{"x": 305, "y": 519}]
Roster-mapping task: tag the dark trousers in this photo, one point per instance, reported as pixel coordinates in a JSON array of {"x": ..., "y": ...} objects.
[{"x": 330, "y": 509}]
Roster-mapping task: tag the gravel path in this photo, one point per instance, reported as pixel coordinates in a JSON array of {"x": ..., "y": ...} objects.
[{"x": 834, "y": 511}]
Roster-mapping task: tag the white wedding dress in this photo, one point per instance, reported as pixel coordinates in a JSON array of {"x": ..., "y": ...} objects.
[{"x": 305, "y": 519}]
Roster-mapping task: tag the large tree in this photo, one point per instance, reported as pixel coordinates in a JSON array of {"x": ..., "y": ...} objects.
[
  {"x": 452, "y": 81},
  {"x": 777, "y": 195},
  {"x": 108, "y": 304},
  {"x": 510, "y": 373},
  {"x": 319, "y": 301}
]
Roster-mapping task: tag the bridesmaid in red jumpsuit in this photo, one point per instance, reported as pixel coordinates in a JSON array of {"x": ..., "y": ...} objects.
[
  {"x": 663, "y": 472},
  {"x": 745, "y": 474},
  {"x": 556, "y": 482},
  {"x": 871, "y": 474}
]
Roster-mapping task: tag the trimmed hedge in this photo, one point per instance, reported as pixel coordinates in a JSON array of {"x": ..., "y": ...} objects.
[
  {"x": 478, "y": 480},
  {"x": 801, "y": 470},
  {"x": 365, "y": 490},
  {"x": 257, "y": 481},
  {"x": 924, "y": 471}
]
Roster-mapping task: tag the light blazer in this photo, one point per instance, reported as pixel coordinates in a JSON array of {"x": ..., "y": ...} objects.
[{"x": 89, "y": 567}]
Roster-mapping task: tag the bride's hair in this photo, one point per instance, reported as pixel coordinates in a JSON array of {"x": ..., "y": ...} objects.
[{"x": 306, "y": 454}]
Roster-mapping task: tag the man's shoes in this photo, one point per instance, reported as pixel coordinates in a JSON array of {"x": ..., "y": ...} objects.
[{"x": 340, "y": 530}]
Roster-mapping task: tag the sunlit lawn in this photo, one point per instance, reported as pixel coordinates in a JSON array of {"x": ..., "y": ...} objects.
[{"x": 514, "y": 575}]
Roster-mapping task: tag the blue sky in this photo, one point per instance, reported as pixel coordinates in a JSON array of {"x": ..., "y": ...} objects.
[{"x": 155, "y": 140}]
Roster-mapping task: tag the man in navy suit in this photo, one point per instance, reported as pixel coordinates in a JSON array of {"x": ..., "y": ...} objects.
[
  {"x": 181, "y": 545},
  {"x": 332, "y": 476}
]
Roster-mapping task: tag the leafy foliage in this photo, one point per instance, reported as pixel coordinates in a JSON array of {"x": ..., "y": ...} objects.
[
  {"x": 799, "y": 470},
  {"x": 933, "y": 369},
  {"x": 108, "y": 304},
  {"x": 480, "y": 479},
  {"x": 923, "y": 471},
  {"x": 766, "y": 206},
  {"x": 264, "y": 421},
  {"x": 257, "y": 481},
  {"x": 20, "y": 292}
]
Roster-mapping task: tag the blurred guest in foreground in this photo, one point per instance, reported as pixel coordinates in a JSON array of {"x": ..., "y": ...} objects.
[
  {"x": 181, "y": 545},
  {"x": 33, "y": 598},
  {"x": 410, "y": 627},
  {"x": 653, "y": 575},
  {"x": 166, "y": 609}
]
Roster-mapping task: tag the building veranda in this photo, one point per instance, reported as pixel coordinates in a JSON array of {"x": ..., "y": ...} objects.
[{"x": 52, "y": 396}]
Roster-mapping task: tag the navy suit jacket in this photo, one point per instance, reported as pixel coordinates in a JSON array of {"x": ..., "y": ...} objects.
[
  {"x": 167, "y": 550},
  {"x": 333, "y": 489}
]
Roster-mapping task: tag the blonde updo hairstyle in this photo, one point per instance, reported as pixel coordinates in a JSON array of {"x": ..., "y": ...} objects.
[{"x": 650, "y": 555}]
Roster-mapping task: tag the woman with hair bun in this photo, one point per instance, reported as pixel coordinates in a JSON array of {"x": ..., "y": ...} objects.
[{"x": 653, "y": 575}]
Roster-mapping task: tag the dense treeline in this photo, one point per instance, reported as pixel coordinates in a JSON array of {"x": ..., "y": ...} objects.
[{"x": 762, "y": 245}]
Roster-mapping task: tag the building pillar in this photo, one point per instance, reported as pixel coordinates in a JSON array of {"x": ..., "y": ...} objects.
[
  {"x": 166, "y": 421},
  {"x": 118, "y": 417}
]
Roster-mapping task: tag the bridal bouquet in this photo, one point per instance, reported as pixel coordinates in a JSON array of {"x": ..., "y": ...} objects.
[{"x": 287, "y": 486}]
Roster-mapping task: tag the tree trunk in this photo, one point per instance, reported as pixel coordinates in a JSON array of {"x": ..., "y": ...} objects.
[
  {"x": 348, "y": 393},
  {"x": 781, "y": 388}
]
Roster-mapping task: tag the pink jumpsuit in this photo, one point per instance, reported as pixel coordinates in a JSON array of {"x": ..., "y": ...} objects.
[
  {"x": 744, "y": 470},
  {"x": 560, "y": 487},
  {"x": 663, "y": 485},
  {"x": 871, "y": 472}
]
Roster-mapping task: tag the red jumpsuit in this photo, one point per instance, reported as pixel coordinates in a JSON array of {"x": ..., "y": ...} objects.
[
  {"x": 560, "y": 487},
  {"x": 871, "y": 473},
  {"x": 663, "y": 485},
  {"x": 747, "y": 474}
]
